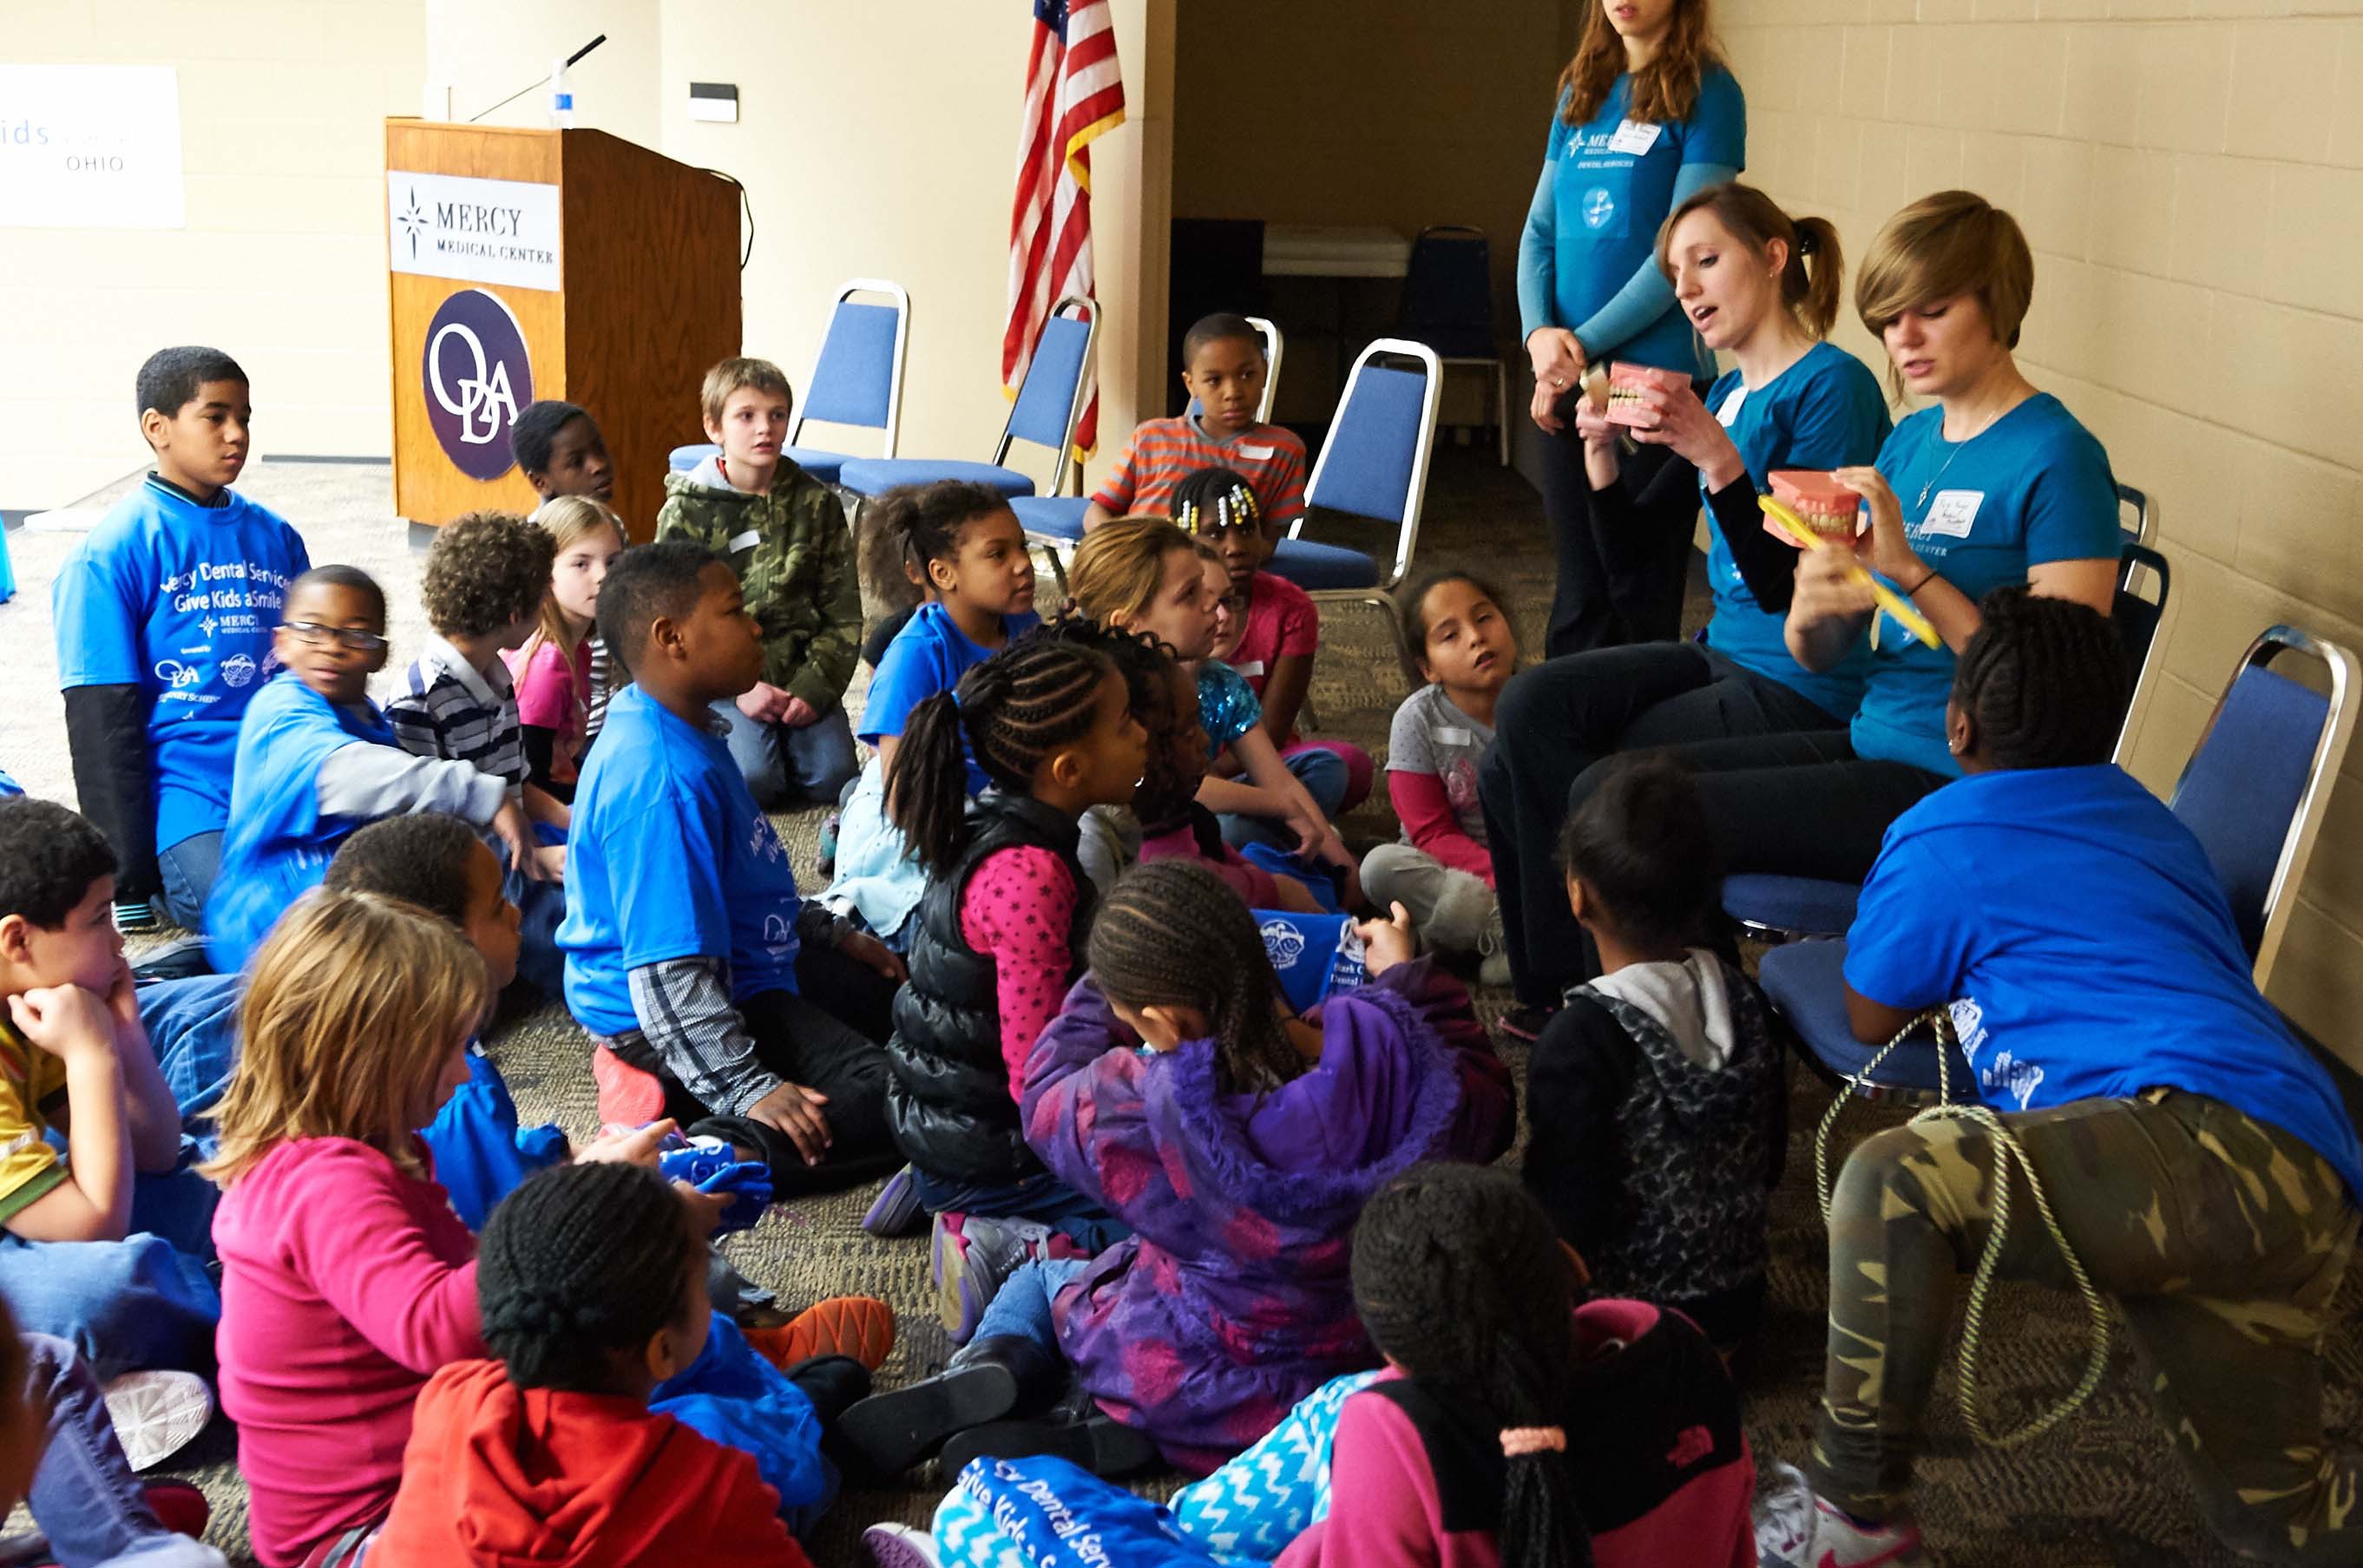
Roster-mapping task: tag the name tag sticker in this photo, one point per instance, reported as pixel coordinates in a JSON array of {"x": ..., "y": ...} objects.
[
  {"x": 1634, "y": 138},
  {"x": 1252, "y": 667},
  {"x": 1952, "y": 513},
  {"x": 1258, "y": 454},
  {"x": 747, "y": 541},
  {"x": 1453, "y": 735}
]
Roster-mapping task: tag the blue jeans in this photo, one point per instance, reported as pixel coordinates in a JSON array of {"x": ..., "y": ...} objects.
[
  {"x": 193, "y": 1025},
  {"x": 84, "y": 1496},
  {"x": 1021, "y": 1308},
  {"x": 1041, "y": 1197},
  {"x": 1324, "y": 775},
  {"x": 788, "y": 766},
  {"x": 142, "y": 1302},
  {"x": 188, "y": 869}
]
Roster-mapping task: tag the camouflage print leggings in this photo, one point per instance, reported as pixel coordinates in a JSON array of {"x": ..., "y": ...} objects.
[{"x": 2223, "y": 1239}]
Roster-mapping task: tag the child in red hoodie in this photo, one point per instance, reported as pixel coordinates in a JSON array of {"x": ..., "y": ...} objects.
[{"x": 552, "y": 1454}]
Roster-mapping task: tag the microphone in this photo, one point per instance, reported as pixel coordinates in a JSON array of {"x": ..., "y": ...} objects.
[{"x": 537, "y": 81}]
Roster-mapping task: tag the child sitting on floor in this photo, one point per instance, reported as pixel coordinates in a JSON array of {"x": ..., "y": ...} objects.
[
  {"x": 561, "y": 667},
  {"x": 709, "y": 987},
  {"x": 1440, "y": 871},
  {"x": 1278, "y": 633},
  {"x": 967, "y": 543},
  {"x": 1239, "y": 1142},
  {"x": 591, "y": 1285},
  {"x": 105, "y": 1245},
  {"x": 1143, "y": 575},
  {"x": 998, "y": 939},
  {"x": 316, "y": 759},
  {"x": 1653, "y": 1096},
  {"x": 783, "y": 533},
  {"x": 561, "y": 452}
]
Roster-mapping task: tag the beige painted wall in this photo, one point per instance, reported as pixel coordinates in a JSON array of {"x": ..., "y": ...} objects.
[
  {"x": 282, "y": 261},
  {"x": 2190, "y": 174}
]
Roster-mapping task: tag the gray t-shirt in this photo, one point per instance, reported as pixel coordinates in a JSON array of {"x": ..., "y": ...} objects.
[{"x": 1431, "y": 735}]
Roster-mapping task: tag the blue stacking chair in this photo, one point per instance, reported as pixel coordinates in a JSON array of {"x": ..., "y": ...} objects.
[
  {"x": 2252, "y": 794},
  {"x": 1448, "y": 304},
  {"x": 1780, "y": 908},
  {"x": 1054, "y": 522},
  {"x": 1048, "y": 404},
  {"x": 857, "y": 380},
  {"x": 1372, "y": 469}
]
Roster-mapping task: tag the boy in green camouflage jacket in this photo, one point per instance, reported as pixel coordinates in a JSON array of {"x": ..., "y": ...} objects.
[{"x": 785, "y": 535}]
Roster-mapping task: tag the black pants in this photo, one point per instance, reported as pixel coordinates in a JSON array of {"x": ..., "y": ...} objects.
[
  {"x": 1798, "y": 805},
  {"x": 814, "y": 1037},
  {"x": 1560, "y": 720},
  {"x": 1610, "y": 591}
]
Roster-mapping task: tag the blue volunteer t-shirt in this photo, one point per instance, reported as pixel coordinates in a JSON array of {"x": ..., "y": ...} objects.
[
  {"x": 2034, "y": 488},
  {"x": 1613, "y": 184},
  {"x": 2088, "y": 951},
  {"x": 180, "y": 599},
  {"x": 929, "y": 655},
  {"x": 1825, "y": 411},
  {"x": 669, "y": 857}
]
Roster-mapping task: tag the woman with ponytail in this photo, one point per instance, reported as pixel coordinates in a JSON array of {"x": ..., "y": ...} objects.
[
  {"x": 1239, "y": 1141},
  {"x": 1763, "y": 287},
  {"x": 1512, "y": 1425}
]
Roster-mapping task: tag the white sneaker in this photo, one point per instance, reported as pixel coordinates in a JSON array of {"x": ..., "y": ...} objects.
[
  {"x": 900, "y": 1546},
  {"x": 158, "y": 1414},
  {"x": 1795, "y": 1529}
]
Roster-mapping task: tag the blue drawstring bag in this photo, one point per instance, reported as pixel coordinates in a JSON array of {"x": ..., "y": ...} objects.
[
  {"x": 1320, "y": 878},
  {"x": 737, "y": 1398},
  {"x": 479, "y": 1153},
  {"x": 1046, "y": 1513},
  {"x": 1315, "y": 956}
]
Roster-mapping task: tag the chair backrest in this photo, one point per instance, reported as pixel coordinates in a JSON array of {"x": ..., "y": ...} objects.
[
  {"x": 2255, "y": 788},
  {"x": 1274, "y": 346},
  {"x": 857, "y": 380},
  {"x": 1448, "y": 292},
  {"x": 2137, "y": 621},
  {"x": 1373, "y": 462},
  {"x": 1051, "y": 399},
  {"x": 2136, "y": 524}
]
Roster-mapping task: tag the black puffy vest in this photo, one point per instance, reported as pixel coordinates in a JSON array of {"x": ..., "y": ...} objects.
[{"x": 949, "y": 1101}]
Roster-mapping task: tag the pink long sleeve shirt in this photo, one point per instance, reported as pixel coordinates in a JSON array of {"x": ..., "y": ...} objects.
[{"x": 346, "y": 1284}]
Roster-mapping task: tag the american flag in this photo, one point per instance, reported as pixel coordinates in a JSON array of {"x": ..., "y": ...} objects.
[{"x": 1074, "y": 92}]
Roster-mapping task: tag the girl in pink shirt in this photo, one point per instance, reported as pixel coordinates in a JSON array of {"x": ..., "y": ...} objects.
[
  {"x": 347, "y": 1279},
  {"x": 553, "y": 671}
]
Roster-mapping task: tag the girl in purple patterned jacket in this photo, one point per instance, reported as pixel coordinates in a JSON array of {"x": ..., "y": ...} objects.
[{"x": 1239, "y": 1142}]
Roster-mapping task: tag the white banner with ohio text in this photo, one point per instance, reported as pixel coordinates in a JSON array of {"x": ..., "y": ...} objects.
[
  {"x": 479, "y": 231},
  {"x": 90, "y": 147}
]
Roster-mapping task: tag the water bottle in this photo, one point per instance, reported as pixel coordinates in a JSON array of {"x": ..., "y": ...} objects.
[{"x": 562, "y": 97}]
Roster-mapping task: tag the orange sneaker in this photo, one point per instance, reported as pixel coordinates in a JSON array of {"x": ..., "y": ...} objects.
[
  {"x": 628, "y": 1096},
  {"x": 858, "y": 1326}
]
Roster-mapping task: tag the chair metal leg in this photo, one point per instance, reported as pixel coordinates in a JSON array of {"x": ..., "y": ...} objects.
[{"x": 1502, "y": 407}]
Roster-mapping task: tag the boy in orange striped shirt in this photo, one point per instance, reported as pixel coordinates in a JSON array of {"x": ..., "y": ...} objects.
[{"x": 1223, "y": 370}]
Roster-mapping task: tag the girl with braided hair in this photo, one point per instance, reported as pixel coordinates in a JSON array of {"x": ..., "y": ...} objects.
[
  {"x": 591, "y": 1282},
  {"x": 961, "y": 543},
  {"x": 997, "y": 939},
  {"x": 2198, "y": 1162},
  {"x": 1238, "y": 1142}
]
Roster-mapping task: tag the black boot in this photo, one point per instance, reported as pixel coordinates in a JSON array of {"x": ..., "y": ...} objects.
[
  {"x": 1098, "y": 1443},
  {"x": 833, "y": 1384},
  {"x": 992, "y": 1379}
]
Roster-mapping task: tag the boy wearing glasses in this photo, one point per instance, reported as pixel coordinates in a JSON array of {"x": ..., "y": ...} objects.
[
  {"x": 164, "y": 615},
  {"x": 317, "y": 759}
]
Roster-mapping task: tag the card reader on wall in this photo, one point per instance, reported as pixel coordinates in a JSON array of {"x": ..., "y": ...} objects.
[{"x": 716, "y": 101}]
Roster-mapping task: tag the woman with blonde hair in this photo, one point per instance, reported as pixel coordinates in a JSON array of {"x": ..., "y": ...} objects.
[
  {"x": 1648, "y": 115},
  {"x": 1994, "y": 484},
  {"x": 347, "y": 1279},
  {"x": 1765, "y": 288}
]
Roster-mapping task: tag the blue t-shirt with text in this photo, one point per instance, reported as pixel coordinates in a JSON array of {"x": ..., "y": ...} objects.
[
  {"x": 2032, "y": 489},
  {"x": 1825, "y": 411},
  {"x": 181, "y": 600},
  {"x": 929, "y": 655},
  {"x": 2087, "y": 950},
  {"x": 670, "y": 857},
  {"x": 1613, "y": 183}
]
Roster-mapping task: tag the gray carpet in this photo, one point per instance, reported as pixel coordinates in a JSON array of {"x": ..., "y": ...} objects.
[{"x": 2102, "y": 1490}]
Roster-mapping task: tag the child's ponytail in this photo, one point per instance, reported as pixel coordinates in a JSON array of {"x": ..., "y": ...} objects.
[
  {"x": 1013, "y": 710},
  {"x": 1462, "y": 1284}
]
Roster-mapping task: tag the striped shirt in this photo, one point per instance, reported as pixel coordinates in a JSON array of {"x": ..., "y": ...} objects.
[
  {"x": 450, "y": 709},
  {"x": 1164, "y": 453}
]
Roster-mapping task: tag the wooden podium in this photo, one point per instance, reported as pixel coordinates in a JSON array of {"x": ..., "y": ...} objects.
[{"x": 618, "y": 271}]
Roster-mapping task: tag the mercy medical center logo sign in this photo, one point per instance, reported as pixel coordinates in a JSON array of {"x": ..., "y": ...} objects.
[
  {"x": 477, "y": 376},
  {"x": 477, "y": 231}
]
